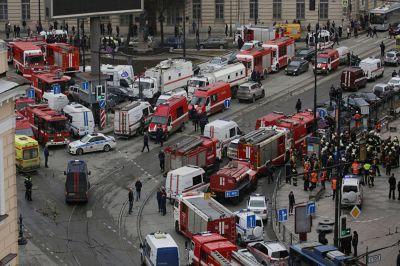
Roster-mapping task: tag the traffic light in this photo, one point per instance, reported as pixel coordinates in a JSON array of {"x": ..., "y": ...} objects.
[{"x": 344, "y": 231}]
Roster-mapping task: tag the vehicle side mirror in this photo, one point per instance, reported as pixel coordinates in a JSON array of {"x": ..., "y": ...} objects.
[
  {"x": 89, "y": 173},
  {"x": 65, "y": 173}
]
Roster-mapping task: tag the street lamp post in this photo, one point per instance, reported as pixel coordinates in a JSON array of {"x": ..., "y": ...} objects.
[
  {"x": 184, "y": 29},
  {"x": 230, "y": 18}
]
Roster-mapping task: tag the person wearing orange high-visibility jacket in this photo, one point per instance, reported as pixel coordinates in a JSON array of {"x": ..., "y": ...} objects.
[
  {"x": 333, "y": 186},
  {"x": 357, "y": 118},
  {"x": 355, "y": 168},
  {"x": 314, "y": 180},
  {"x": 307, "y": 167},
  {"x": 323, "y": 178}
]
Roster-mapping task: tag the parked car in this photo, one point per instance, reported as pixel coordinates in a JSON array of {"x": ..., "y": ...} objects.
[
  {"x": 121, "y": 92},
  {"x": 92, "y": 142},
  {"x": 392, "y": 57},
  {"x": 355, "y": 103},
  {"x": 297, "y": 66},
  {"x": 370, "y": 98},
  {"x": 306, "y": 54},
  {"x": 383, "y": 91},
  {"x": 218, "y": 61},
  {"x": 352, "y": 192},
  {"x": 395, "y": 82},
  {"x": 259, "y": 205},
  {"x": 269, "y": 253},
  {"x": 174, "y": 42},
  {"x": 250, "y": 45},
  {"x": 250, "y": 91},
  {"x": 77, "y": 183},
  {"x": 214, "y": 42}
]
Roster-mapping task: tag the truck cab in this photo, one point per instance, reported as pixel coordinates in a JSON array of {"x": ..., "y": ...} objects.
[
  {"x": 159, "y": 249},
  {"x": 327, "y": 61},
  {"x": 185, "y": 179},
  {"x": 210, "y": 99}
]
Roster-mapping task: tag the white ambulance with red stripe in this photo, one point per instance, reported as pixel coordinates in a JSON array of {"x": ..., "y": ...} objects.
[
  {"x": 167, "y": 76},
  {"x": 283, "y": 51},
  {"x": 129, "y": 116}
]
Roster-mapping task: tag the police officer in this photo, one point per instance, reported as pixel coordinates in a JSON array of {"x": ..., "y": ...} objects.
[
  {"x": 28, "y": 188},
  {"x": 46, "y": 156},
  {"x": 161, "y": 158}
]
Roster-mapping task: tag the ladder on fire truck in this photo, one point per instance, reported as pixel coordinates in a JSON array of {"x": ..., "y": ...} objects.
[
  {"x": 245, "y": 260},
  {"x": 187, "y": 144},
  {"x": 258, "y": 136},
  {"x": 220, "y": 259}
]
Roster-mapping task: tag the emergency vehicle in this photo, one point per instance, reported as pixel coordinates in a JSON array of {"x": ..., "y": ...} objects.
[
  {"x": 234, "y": 74},
  {"x": 199, "y": 151},
  {"x": 283, "y": 51},
  {"x": 159, "y": 249},
  {"x": 45, "y": 81},
  {"x": 35, "y": 40},
  {"x": 128, "y": 117},
  {"x": 117, "y": 75},
  {"x": 233, "y": 180},
  {"x": 248, "y": 232},
  {"x": 257, "y": 59},
  {"x": 80, "y": 119},
  {"x": 56, "y": 101},
  {"x": 49, "y": 126},
  {"x": 63, "y": 55},
  {"x": 327, "y": 61},
  {"x": 91, "y": 143},
  {"x": 264, "y": 146},
  {"x": 324, "y": 40},
  {"x": 23, "y": 102},
  {"x": 25, "y": 57},
  {"x": 170, "y": 116},
  {"x": 269, "y": 119},
  {"x": 3, "y": 57},
  {"x": 198, "y": 213},
  {"x": 255, "y": 32},
  {"x": 211, "y": 99},
  {"x": 292, "y": 30},
  {"x": 372, "y": 67},
  {"x": 353, "y": 78},
  {"x": 27, "y": 157},
  {"x": 22, "y": 125}
]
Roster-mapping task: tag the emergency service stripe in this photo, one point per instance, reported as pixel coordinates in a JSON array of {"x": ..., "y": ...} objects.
[
  {"x": 379, "y": 68},
  {"x": 237, "y": 79},
  {"x": 85, "y": 119},
  {"x": 185, "y": 77},
  {"x": 177, "y": 120}
]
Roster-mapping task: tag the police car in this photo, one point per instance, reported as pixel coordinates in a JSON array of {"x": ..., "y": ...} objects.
[
  {"x": 259, "y": 205},
  {"x": 92, "y": 142},
  {"x": 248, "y": 232}
]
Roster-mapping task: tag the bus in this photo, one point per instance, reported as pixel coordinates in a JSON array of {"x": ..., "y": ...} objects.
[
  {"x": 381, "y": 17},
  {"x": 316, "y": 254}
]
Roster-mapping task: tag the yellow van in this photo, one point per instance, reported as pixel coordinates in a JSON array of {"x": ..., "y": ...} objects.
[
  {"x": 26, "y": 153},
  {"x": 292, "y": 30}
]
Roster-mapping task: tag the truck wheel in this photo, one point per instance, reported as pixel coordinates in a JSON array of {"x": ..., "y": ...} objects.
[
  {"x": 79, "y": 151},
  {"x": 107, "y": 148}
]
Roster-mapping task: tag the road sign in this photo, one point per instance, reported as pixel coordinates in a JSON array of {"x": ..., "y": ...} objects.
[
  {"x": 207, "y": 196},
  {"x": 374, "y": 258},
  {"x": 124, "y": 74},
  {"x": 282, "y": 215},
  {"x": 56, "y": 89},
  {"x": 100, "y": 98},
  {"x": 322, "y": 112},
  {"x": 30, "y": 93},
  {"x": 227, "y": 103},
  {"x": 355, "y": 212},
  {"x": 345, "y": 3},
  {"x": 232, "y": 193},
  {"x": 344, "y": 231},
  {"x": 85, "y": 85},
  {"x": 251, "y": 221},
  {"x": 102, "y": 104},
  {"x": 311, "y": 208}
]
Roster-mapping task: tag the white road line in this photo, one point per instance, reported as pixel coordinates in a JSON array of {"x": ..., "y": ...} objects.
[
  {"x": 114, "y": 230},
  {"x": 124, "y": 238},
  {"x": 47, "y": 249},
  {"x": 109, "y": 227},
  {"x": 51, "y": 252},
  {"x": 57, "y": 257},
  {"x": 61, "y": 261}
]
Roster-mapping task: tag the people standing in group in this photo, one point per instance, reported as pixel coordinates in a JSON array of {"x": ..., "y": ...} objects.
[
  {"x": 292, "y": 202},
  {"x": 130, "y": 200},
  {"x": 161, "y": 158},
  {"x": 145, "y": 142},
  {"x": 392, "y": 186},
  {"x": 138, "y": 187}
]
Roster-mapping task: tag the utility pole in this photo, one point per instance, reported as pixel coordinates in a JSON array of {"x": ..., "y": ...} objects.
[
  {"x": 315, "y": 77},
  {"x": 230, "y": 19},
  {"x": 184, "y": 29},
  {"x": 40, "y": 12}
]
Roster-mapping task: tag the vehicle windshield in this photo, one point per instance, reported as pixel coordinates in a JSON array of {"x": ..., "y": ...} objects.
[
  {"x": 390, "y": 55},
  {"x": 216, "y": 61},
  {"x": 323, "y": 60},
  {"x": 55, "y": 127},
  {"x": 160, "y": 101},
  {"x": 259, "y": 223},
  {"x": 86, "y": 138},
  {"x": 394, "y": 81},
  {"x": 34, "y": 59},
  {"x": 24, "y": 131},
  {"x": 161, "y": 120},
  {"x": 198, "y": 101},
  {"x": 143, "y": 85},
  {"x": 257, "y": 203},
  {"x": 280, "y": 254},
  {"x": 378, "y": 89},
  {"x": 197, "y": 83},
  {"x": 377, "y": 18},
  {"x": 30, "y": 154},
  {"x": 347, "y": 189},
  {"x": 49, "y": 86},
  {"x": 294, "y": 63},
  {"x": 247, "y": 46},
  {"x": 302, "y": 52}
]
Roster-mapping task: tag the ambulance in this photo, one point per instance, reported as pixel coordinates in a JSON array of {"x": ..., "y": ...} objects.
[
  {"x": 26, "y": 154},
  {"x": 80, "y": 119},
  {"x": 159, "y": 249}
]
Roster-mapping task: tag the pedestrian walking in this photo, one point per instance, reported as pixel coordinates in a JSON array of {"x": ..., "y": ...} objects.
[
  {"x": 161, "y": 158},
  {"x": 203, "y": 122},
  {"x": 46, "y": 154},
  {"x": 117, "y": 30},
  {"x": 28, "y": 188},
  {"x": 354, "y": 243},
  {"x": 336, "y": 38},
  {"x": 158, "y": 197},
  {"x": 226, "y": 30},
  {"x": 333, "y": 186},
  {"x": 130, "y": 200},
  {"x": 163, "y": 202},
  {"x": 138, "y": 187},
  {"x": 298, "y": 105},
  {"x": 314, "y": 180},
  {"x": 160, "y": 135},
  {"x": 291, "y": 202},
  {"x": 209, "y": 31},
  {"x": 382, "y": 46},
  {"x": 145, "y": 142},
  {"x": 392, "y": 186},
  {"x": 374, "y": 32}
]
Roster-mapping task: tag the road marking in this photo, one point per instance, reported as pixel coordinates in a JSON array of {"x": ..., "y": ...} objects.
[
  {"x": 47, "y": 249},
  {"x": 109, "y": 227},
  {"x": 114, "y": 230},
  {"x": 57, "y": 257},
  {"x": 124, "y": 238},
  {"x": 51, "y": 252},
  {"x": 129, "y": 242},
  {"x": 61, "y": 261}
]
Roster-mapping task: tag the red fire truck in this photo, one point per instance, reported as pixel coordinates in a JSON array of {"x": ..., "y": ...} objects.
[
  {"x": 199, "y": 151},
  {"x": 63, "y": 55},
  {"x": 269, "y": 119},
  {"x": 198, "y": 213},
  {"x": 231, "y": 181},
  {"x": 283, "y": 51},
  {"x": 44, "y": 82},
  {"x": 258, "y": 59},
  {"x": 22, "y": 125},
  {"x": 23, "y": 102},
  {"x": 264, "y": 146},
  {"x": 48, "y": 125},
  {"x": 26, "y": 56},
  {"x": 36, "y": 40}
]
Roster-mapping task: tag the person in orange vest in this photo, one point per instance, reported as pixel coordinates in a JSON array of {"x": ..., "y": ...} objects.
[
  {"x": 323, "y": 178},
  {"x": 357, "y": 118},
  {"x": 306, "y": 175},
  {"x": 355, "y": 167},
  {"x": 314, "y": 180},
  {"x": 333, "y": 185},
  {"x": 378, "y": 126}
]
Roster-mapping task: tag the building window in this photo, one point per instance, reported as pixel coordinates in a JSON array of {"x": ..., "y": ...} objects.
[
  {"x": 300, "y": 9},
  {"x": 323, "y": 9},
  {"x": 219, "y": 9},
  {"x": 254, "y": 9},
  {"x": 172, "y": 16},
  {"x": 124, "y": 20},
  {"x": 3, "y": 10},
  {"x": 277, "y": 9},
  {"x": 26, "y": 9},
  {"x": 47, "y": 12},
  {"x": 2, "y": 188},
  {"x": 196, "y": 9}
]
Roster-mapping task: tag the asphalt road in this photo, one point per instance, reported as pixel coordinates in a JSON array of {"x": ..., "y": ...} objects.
[{"x": 100, "y": 232}]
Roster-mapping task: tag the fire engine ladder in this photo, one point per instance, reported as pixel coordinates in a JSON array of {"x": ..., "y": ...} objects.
[
  {"x": 220, "y": 259},
  {"x": 261, "y": 136},
  {"x": 188, "y": 144},
  {"x": 244, "y": 260}
]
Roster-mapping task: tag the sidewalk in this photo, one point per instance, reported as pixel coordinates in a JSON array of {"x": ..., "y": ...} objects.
[{"x": 377, "y": 225}]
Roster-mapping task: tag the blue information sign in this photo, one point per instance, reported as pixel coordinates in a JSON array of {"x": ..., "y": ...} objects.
[
  {"x": 102, "y": 104},
  {"x": 251, "y": 221},
  {"x": 232, "y": 194},
  {"x": 85, "y": 86},
  {"x": 311, "y": 208},
  {"x": 282, "y": 215},
  {"x": 227, "y": 103},
  {"x": 30, "y": 93},
  {"x": 56, "y": 89}
]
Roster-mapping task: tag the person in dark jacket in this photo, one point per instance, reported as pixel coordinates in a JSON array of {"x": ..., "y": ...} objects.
[
  {"x": 138, "y": 186},
  {"x": 398, "y": 259},
  {"x": 161, "y": 158},
  {"x": 159, "y": 199},
  {"x": 354, "y": 243},
  {"x": 194, "y": 117},
  {"x": 28, "y": 188},
  {"x": 382, "y": 46},
  {"x": 203, "y": 122},
  {"x": 394, "y": 73},
  {"x": 160, "y": 135},
  {"x": 240, "y": 42},
  {"x": 291, "y": 202},
  {"x": 392, "y": 186},
  {"x": 298, "y": 105},
  {"x": 398, "y": 190},
  {"x": 163, "y": 202},
  {"x": 145, "y": 142},
  {"x": 130, "y": 199},
  {"x": 46, "y": 156}
]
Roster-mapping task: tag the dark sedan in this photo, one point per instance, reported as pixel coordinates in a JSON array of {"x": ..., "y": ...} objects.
[
  {"x": 370, "y": 98},
  {"x": 215, "y": 43},
  {"x": 174, "y": 42},
  {"x": 121, "y": 92},
  {"x": 306, "y": 53},
  {"x": 296, "y": 67}
]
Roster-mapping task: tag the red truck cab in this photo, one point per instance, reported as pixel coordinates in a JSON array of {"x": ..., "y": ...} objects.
[
  {"x": 26, "y": 56},
  {"x": 44, "y": 81},
  {"x": 327, "y": 61},
  {"x": 63, "y": 55},
  {"x": 269, "y": 119},
  {"x": 210, "y": 99}
]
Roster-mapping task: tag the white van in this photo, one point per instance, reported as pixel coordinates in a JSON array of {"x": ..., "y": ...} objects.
[
  {"x": 248, "y": 232},
  {"x": 343, "y": 54},
  {"x": 80, "y": 119},
  {"x": 117, "y": 75},
  {"x": 127, "y": 118},
  {"x": 372, "y": 67},
  {"x": 55, "y": 101},
  {"x": 185, "y": 179},
  {"x": 352, "y": 192},
  {"x": 224, "y": 131},
  {"x": 159, "y": 249}
]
